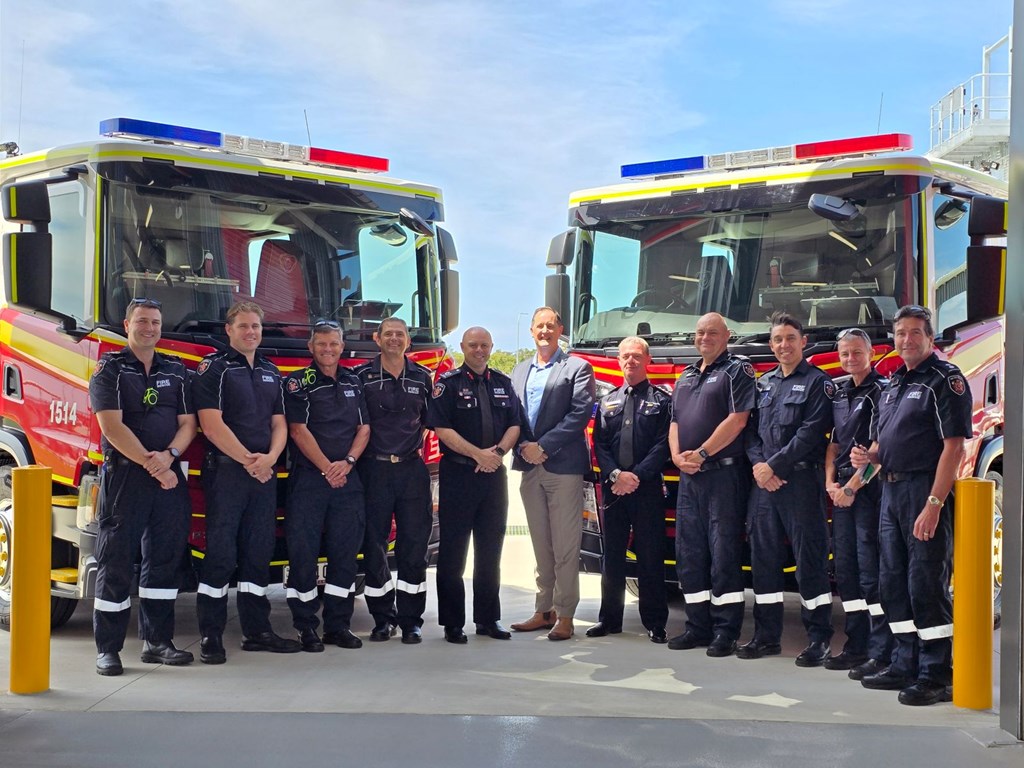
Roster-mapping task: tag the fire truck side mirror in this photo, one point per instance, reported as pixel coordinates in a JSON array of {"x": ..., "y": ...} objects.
[
  {"x": 987, "y": 217},
  {"x": 833, "y": 208},
  {"x": 28, "y": 270},
  {"x": 562, "y": 250},
  {"x": 556, "y": 296},
  {"x": 449, "y": 281},
  {"x": 986, "y": 281},
  {"x": 27, "y": 203}
]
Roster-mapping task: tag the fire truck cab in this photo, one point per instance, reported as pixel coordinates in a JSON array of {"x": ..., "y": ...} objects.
[
  {"x": 197, "y": 220},
  {"x": 838, "y": 233}
]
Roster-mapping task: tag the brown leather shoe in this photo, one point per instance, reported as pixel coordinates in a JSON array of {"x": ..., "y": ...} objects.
[
  {"x": 539, "y": 620},
  {"x": 563, "y": 630}
]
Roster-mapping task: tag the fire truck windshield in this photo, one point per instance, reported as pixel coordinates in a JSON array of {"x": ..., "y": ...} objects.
[
  {"x": 198, "y": 251},
  {"x": 657, "y": 277}
]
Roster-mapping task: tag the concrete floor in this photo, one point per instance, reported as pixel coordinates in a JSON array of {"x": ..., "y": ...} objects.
[{"x": 618, "y": 700}]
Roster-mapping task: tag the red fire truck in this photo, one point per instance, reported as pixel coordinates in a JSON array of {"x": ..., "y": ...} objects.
[
  {"x": 839, "y": 233},
  {"x": 197, "y": 220}
]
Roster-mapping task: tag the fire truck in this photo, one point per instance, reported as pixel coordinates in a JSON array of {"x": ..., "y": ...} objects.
[
  {"x": 197, "y": 220},
  {"x": 838, "y": 233}
]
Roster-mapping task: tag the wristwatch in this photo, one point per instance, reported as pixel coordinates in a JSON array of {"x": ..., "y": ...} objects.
[
  {"x": 351, "y": 459},
  {"x": 613, "y": 476},
  {"x": 848, "y": 491},
  {"x": 703, "y": 454},
  {"x": 499, "y": 450},
  {"x": 175, "y": 453},
  {"x": 935, "y": 501}
]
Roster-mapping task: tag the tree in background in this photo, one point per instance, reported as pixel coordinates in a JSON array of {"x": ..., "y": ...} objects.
[{"x": 500, "y": 359}]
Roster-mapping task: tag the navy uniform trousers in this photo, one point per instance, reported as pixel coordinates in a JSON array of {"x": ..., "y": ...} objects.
[
  {"x": 470, "y": 504},
  {"x": 794, "y": 511},
  {"x": 855, "y": 549},
  {"x": 643, "y": 511},
  {"x": 137, "y": 515},
  {"x": 711, "y": 513},
  {"x": 401, "y": 490},
  {"x": 318, "y": 512},
  {"x": 240, "y": 533},
  {"x": 914, "y": 581}
]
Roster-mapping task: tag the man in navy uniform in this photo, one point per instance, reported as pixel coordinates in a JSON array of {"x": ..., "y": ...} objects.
[
  {"x": 711, "y": 405},
  {"x": 327, "y": 424},
  {"x": 397, "y": 484},
  {"x": 238, "y": 396},
  {"x": 476, "y": 416},
  {"x": 630, "y": 440},
  {"x": 855, "y": 507},
  {"x": 141, "y": 401},
  {"x": 924, "y": 417},
  {"x": 786, "y": 443}
]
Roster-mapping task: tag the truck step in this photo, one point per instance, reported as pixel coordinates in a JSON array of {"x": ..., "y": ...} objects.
[
  {"x": 64, "y": 575},
  {"x": 65, "y": 501}
]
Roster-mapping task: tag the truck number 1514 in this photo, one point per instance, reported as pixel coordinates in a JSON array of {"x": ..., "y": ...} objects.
[{"x": 62, "y": 412}]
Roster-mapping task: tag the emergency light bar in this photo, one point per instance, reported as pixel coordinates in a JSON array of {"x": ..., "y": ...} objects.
[
  {"x": 820, "y": 150},
  {"x": 124, "y": 127}
]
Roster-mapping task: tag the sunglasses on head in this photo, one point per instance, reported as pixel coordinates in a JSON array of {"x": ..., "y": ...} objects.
[
  {"x": 332, "y": 324},
  {"x": 913, "y": 310},
  {"x": 143, "y": 302},
  {"x": 853, "y": 332}
]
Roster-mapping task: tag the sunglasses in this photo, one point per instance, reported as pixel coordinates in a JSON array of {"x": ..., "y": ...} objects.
[
  {"x": 142, "y": 302},
  {"x": 912, "y": 310},
  {"x": 332, "y": 324},
  {"x": 853, "y": 332}
]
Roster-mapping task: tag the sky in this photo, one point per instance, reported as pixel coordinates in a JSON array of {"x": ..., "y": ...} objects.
[{"x": 507, "y": 106}]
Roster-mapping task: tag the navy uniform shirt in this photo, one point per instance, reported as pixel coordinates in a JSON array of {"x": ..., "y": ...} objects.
[
  {"x": 397, "y": 407},
  {"x": 702, "y": 400},
  {"x": 792, "y": 419},
  {"x": 246, "y": 397},
  {"x": 149, "y": 405},
  {"x": 853, "y": 409},
  {"x": 454, "y": 405},
  {"x": 331, "y": 408},
  {"x": 652, "y": 414},
  {"x": 918, "y": 410}
]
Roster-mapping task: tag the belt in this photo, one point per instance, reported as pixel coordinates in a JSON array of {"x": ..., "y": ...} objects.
[
  {"x": 902, "y": 477},
  {"x": 392, "y": 458},
  {"x": 711, "y": 466},
  {"x": 805, "y": 465},
  {"x": 458, "y": 458},
  {"x": 845, "y": 473}
]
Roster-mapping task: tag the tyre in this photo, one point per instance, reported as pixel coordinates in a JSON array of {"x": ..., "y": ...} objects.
[
  {"x": 997, "y": 548},
  {"x": 61, "y": 608}
]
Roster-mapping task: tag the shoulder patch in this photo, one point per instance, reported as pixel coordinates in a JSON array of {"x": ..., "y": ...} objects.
[
  {"x": 99, "y": 366},
  {"x": 293, "y": 385},
  {"x": 748, "y": 370},
  {"x": 830, "y": 389},
  {"x": 957, "y": 384},
  {"x": 203, "y": 367},
  {"x": 438, "y": 390}
]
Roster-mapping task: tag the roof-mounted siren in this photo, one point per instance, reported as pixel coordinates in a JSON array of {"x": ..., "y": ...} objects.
[
  {"x": 791, "y": 153},
  {"x": 144, "y": 130}
]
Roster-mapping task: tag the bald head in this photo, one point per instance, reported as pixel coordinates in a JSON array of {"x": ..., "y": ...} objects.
[
  {"x": 476, "y": 348},
  {"x": 711, "y": 337}
]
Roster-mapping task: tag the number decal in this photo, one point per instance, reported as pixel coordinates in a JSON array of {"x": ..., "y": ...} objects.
[{"x": 63, "y": 412}]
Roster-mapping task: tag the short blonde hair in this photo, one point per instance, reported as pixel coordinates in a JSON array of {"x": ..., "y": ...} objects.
[{"x": 240, "y": 307}]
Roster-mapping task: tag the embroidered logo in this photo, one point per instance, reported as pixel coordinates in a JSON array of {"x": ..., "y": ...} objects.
[
  {"x": 204, "y": 366},
  {"x": 957, "y": 384}
]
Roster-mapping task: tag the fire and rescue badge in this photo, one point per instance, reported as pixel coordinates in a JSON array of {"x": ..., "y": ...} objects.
[
  {"x": 830, "y": 389},
  {"x": 438, "y": 390},
  {"x": 293, "y": 385},
  {"x": 957, "y": 384},
  {"x": 202, "y": 367},
  {"x": 748, "y": 370}
]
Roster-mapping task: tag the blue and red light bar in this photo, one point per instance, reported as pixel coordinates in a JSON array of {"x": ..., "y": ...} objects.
[
  {"x": 124, "y": 127},
  {"x": 751, "y": 158}
]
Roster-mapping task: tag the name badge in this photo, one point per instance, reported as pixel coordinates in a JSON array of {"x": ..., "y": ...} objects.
[
  {"x": 349, "y": 393},
  {"x": 161, "y": 383},
  {"x": 915, "y": 395},
  {"x": 799, "y": 387},
  {"x": 268, "y": 379},
  {"x": 713, "y": 379}
]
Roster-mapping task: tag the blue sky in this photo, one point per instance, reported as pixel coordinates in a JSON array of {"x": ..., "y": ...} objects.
[{"x": 509, "y": 106}]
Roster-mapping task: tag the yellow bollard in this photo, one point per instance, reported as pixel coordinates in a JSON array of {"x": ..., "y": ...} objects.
[
  {"x": 30, "y": 581},
  {"x": 972, "y": 599}
]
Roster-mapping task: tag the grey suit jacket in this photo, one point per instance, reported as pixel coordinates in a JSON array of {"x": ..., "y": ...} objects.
[{"x": 565, "y": 410}]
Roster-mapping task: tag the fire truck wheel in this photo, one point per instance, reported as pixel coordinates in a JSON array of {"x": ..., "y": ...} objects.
[
  {"x": 61, "y": 608},
  {"x": 997, "y": 548}
]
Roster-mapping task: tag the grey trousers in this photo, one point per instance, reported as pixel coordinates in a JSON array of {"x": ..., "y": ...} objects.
[{"x": 554, "y": 512}]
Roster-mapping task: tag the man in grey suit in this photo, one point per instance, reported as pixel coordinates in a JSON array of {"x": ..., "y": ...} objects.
[{"x": 557, "y": 393}]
